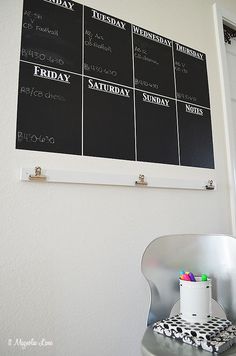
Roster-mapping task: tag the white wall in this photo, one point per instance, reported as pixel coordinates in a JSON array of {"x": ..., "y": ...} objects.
[
  {"x": 229, "y": 5},
  {"x": 70, "y": 254}
]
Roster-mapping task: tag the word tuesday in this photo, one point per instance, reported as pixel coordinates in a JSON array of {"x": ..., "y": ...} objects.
[
  {"x": 66, "y": 4},
  {"x": 111, "y": 89},
  {"x": 110, "y": 20},
  {"x": 51, "y": 74}
]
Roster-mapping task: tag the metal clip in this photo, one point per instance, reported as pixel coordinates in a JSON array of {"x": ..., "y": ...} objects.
[
  {"x": 210, "y": 185},
  {"x": 38, "y": 175},
  {"x": 141, "y": 180}
]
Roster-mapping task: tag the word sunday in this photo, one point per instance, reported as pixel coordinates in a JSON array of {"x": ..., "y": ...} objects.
[
  {"x": 155, "y": 100},
  {"x": 66, "y": 4},
  {"x": 189, "y": 52},
  {"x": 108, "y": 19},
  {"x": 111, "y": 89},
  {"x": 51, "y": 74},
  {"x": 194, "y": 110},
  {"x": 151, "y": 36}
]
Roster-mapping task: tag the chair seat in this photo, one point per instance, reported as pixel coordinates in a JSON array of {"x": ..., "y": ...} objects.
[{"x": 158, "y": 345}]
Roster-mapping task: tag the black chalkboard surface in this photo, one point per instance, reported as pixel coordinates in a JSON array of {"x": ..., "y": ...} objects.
[
  {"x": 108, "y": 120},
  {"x": 107, "y": 47},
  {"x": 52, "y": 34},
  {"x": 195, "y": 136},
  {"x": 154, "y": 70},
  {"x": 95, "y": 85},
  {"x": 49, "y": 110},
  {"x": 191, "y": 75},
  {"x": 156, "y": 129}
]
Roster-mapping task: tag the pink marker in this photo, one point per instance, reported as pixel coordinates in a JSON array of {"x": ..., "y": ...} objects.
[{"x": 186, "y": 277}]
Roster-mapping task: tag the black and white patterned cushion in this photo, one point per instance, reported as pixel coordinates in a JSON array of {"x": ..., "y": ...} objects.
[{"x": 216, "y": 335}]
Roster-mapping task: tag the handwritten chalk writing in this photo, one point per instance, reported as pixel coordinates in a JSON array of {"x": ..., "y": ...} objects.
[
  {"x": 51, "y": 75},
  {"x": 33, "y": 92},
  {"x": 98, "y": 69},
  {"x": 193, "y": 110},
  {"x": 111, "y": 89},
  {"x": 47, "y": 30},
  {"x": 181, "y": 67},
  {"x": 146, "y": 84},
  {"x": 145, "y": 58},
  {"x": 33, "y": 138},
  {"x": 140, "y": 50},
  {"x": 66, "y": 4},
  {"x": 28, "y": 53},
  {"x": 89, "y": 41},
  {"x": 33, "y": 16},
  {"x": 99, "y": 46},
  {"x": 108, "y": 19},
  {"x": 189, "y": 52},
  {"x": 155, "y": 100},
  {"x": 182, "y": 96},
  {"x": 27, "y": 26},
  {"x": 98, "y": 36},
  {"x": 151, "y": 36},
  {"x": 142, "y": 54},
  {"x": 32, "y": 26}
]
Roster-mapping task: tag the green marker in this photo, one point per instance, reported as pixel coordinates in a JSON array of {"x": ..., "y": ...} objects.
[{"x": 204, "y": 277}]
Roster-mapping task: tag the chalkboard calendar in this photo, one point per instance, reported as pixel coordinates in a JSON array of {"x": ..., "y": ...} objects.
[{"x": 94, "y": 85}]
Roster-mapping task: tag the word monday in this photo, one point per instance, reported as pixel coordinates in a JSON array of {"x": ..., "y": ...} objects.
[
  {"x": 108, "y": 19},
  {"x": 51, "y": 74},
  {"x": 111, "y": 89},
  {"x": 66, "y": 4}
]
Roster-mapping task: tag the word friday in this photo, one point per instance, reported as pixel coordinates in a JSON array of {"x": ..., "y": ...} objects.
[
  {"x": 51, "y": 74},
  {"x": 66, "y": 4},
  {"x": 110, "y": 20},
  {"x": 112, "y": 89}
]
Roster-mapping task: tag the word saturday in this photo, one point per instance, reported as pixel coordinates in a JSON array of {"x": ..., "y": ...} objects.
[
  {"x": 51, "y": 74},
  {"x": 155, "y": 100},
  {"x": 66, "y": 4},
  {"x": 110, "y": 20},
  {"x": 111, "y": 89}
]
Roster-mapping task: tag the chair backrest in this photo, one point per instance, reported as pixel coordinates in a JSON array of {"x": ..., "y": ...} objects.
[{"x": 165, "y": 256}]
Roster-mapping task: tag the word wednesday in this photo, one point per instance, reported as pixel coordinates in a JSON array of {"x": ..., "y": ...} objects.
[
  {"x": 155, "y": 100},
  {"x": 51, "y": 74},
  {"x": 151, "y": 36},
  {"x": 188, "y": 51},
  {"x": 111, "y": 89},
  {"x": 110, "y": 20},
  {"x": 194, "y": 110},
  {"x": 66, "y": 4}
]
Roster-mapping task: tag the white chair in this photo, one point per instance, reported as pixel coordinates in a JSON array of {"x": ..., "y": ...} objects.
[{"x": 162, "y": 260}]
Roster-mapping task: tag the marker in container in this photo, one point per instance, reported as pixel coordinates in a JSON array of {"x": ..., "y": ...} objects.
[
  {"x": 186, "y": 277},
  {"x": 192, "y": 278}
]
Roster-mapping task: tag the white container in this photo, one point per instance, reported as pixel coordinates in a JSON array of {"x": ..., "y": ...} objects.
[{"x": 195, "y": 300}]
